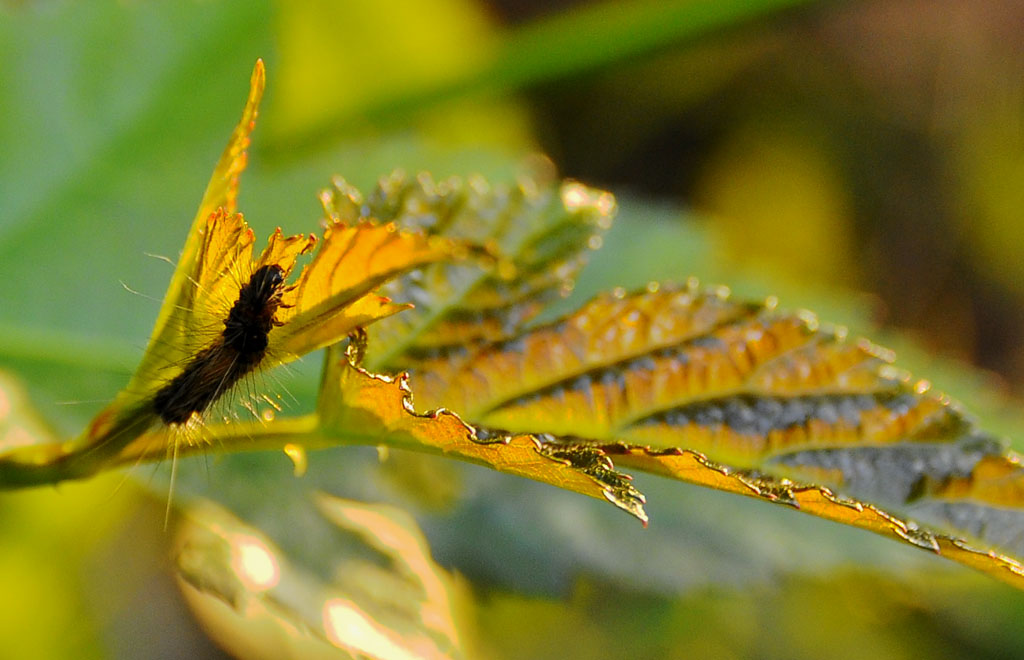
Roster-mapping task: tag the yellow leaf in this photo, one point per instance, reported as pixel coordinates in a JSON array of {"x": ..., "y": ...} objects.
[
  {"x": 381, "y": 409},
  {"x": 357, "y": 407},
  {"x": 130, "y": 414},
  {"x": 333, "y": 294},
  {"x": 227, "y": 312},
  {"x": 221, "y": 192},
  {"x": 696, "y": 468},
  {"x": 686, "y": 367},
  {"x": 682, "y": 381}
]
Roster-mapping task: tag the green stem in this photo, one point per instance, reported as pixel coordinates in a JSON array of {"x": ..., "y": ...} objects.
[{"x": 69, "y": 462}]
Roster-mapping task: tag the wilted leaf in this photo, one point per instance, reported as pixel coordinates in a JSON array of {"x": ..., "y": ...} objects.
[
  {"x": 696, "y": 468},
  {"x": 386, "y": 599}
]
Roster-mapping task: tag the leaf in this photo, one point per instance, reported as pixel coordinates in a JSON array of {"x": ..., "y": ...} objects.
[
  {"x": 384, "y": 598},
  {"x": 221, "y": 193},
  {"x": 519, "y": 375},
  {"x": 642, "y": 379},
  {"x": 358, "y": 407},
  {"x": 535, "y": 233},
  {"x": 332, "y": 297},
  {"x": 353, "y": 398},
  {"x": 535, "y": 238},
  {"x": 217, "y": 241},
  {"x": 693, "y": 467},
  {"x": 678, "y": 380}
]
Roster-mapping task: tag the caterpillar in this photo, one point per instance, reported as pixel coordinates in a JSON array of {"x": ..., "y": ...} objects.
[{"x": 237, "y": 351}]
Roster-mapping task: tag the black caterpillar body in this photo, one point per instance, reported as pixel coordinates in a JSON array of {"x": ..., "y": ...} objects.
[{"x": 239, "y": 349}]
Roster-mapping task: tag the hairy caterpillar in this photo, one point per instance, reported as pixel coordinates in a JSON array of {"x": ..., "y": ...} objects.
[{"x": 236, "y": 352}]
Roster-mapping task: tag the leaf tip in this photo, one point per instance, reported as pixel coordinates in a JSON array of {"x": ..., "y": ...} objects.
[{"x": 258, "y": 80}]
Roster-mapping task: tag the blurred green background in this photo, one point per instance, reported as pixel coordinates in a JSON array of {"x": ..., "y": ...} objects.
[{"x": 861, "y": 159}]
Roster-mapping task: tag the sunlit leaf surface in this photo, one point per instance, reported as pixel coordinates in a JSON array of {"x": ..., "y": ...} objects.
[
  {"x": 335, "y": 294},
  {"x": 696, "y": 468},
  {"x": 382, "y": 408},
  {"x": 221, "y": 193},
  {"x": 331, "y": 297},
  {"x": 386, "y": 599},
  {"x": 675, "y": 380},
  {"x": 359, "y": 408}
]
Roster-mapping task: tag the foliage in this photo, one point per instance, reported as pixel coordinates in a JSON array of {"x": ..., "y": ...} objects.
[{"x": 682, "y": 381}]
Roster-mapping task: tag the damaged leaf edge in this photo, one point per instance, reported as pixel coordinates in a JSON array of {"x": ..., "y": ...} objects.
[
  {"x": 819, "y": 501},
  {"x": 594, "y": 462}
]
